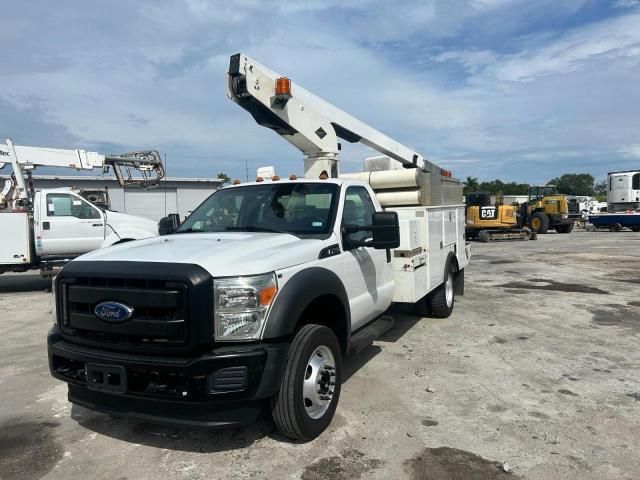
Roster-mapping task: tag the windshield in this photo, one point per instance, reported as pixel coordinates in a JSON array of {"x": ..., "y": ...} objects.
[{"x": 296, "y": 208}]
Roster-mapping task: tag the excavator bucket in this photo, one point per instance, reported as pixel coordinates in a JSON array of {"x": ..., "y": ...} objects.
[{"x": 144, "y": 168}]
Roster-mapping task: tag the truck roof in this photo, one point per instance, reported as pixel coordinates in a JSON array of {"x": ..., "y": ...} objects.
[
  {"x": 337, "y": 181},
  {"x": 637, "y": 170}
]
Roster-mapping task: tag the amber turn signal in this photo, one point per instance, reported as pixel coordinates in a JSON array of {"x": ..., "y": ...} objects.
[{"x": 265, "y": 295}]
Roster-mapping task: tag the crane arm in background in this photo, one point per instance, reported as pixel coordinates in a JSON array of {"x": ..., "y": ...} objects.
[
  {"x": 308, "y": 122},
  {"x": 144, "y": 169}
]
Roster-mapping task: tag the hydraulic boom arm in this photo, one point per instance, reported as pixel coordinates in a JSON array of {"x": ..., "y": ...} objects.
[
  {"x": 148, "y": 165},
  {"x": 307, "y": 121}
]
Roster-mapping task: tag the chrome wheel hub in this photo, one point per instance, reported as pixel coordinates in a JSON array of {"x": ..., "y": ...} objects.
[
  {"x": 319, "y": 382},
  {"x": 448, "y": 289}
]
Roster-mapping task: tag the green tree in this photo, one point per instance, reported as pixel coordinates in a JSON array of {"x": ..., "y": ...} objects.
[
  {"x": 600, "y": 191},
  {"x": 471, "y": 185},
  {"x": 498, "y": 186},
  {"x": 574, "y": 184},
  {"x": 224, "y": 177}
]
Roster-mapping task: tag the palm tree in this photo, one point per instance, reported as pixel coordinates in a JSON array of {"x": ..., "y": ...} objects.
[{"x": 471, "y": 185}]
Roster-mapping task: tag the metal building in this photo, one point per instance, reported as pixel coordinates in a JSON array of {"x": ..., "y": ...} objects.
[{"x": 174, "y": 195}]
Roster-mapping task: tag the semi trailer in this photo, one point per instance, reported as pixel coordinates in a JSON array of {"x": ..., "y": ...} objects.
[
  {"x": 257, "y": 297},
  {"x": 623, "y": 203}
]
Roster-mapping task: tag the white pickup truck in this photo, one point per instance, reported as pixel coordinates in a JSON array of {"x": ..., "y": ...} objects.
[{"x": 63, "y": 225}]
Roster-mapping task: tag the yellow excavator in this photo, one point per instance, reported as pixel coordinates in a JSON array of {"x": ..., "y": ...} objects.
[
  {"x": 487, "y": 220},
  {"x": 546, "y": 209}
]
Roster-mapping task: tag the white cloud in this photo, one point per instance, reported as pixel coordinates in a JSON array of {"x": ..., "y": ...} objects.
[
  {"x": 603, "y": 42},
  {"x": 630, "y": 151},
  {"x": 626, "y": 3}
]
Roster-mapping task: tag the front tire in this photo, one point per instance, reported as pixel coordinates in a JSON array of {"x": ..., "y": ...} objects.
[
  {"x": 310, "y": 389},
  {"x": 539, "y": 222}
]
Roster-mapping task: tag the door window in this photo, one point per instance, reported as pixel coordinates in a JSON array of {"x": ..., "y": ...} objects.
[
  {"x": 358, "y": 210},
  {"x": 65, "y": 205}
]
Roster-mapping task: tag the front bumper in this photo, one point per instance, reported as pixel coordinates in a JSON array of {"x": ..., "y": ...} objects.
[{"x": 225, "y": 386}]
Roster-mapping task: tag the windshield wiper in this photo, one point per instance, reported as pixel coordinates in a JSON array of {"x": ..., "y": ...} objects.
[
  {"x": 189, "y": 230},
  {"x": 255, "y": 228}
]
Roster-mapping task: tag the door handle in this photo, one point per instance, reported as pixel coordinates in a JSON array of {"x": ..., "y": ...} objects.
[
  {"x": 96, "y": 225},
  {"x": 46, "y": 226}
]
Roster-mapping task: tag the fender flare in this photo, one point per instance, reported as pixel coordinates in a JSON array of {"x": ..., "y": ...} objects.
[{"x": 301, "y": 289}]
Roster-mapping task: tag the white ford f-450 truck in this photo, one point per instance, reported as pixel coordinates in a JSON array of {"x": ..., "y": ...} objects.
[{"x": 257, "y": 297}]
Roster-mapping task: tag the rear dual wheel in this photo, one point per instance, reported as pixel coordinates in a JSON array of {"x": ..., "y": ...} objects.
[
  {"x": 439, "y": 303},
  {"x": 443, "y": 298}
]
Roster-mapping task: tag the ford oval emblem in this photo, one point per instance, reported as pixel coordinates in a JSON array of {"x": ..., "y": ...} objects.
[{"x": 113, "y": 312}]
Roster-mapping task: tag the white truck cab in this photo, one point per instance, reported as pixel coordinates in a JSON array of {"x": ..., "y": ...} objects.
[{"x": 67, "y": 224}]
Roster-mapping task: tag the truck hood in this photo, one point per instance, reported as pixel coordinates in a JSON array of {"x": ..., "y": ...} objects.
[
  {"x": 122, "y": 223},
  {"x": 221, "y": 254}
]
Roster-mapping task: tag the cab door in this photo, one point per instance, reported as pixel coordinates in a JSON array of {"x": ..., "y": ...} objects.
[
  {"x": 368, "y": 278},
  {"x": 68, "y": 225}
]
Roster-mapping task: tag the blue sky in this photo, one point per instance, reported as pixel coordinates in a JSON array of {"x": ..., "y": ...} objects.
[{"x": 513, "y": 89}]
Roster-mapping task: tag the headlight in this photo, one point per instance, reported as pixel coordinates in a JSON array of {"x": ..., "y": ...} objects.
[{"x": 241, "y": 306}]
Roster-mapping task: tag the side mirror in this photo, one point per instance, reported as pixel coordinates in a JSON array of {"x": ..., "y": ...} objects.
[
  {"x": 169, "y": 224},
  {"x": 386, "y": 230},
  {"x": 384, "y": 227}
]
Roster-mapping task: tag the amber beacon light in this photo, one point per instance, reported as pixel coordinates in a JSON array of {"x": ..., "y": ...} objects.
[{"x": 283, "y": 86}]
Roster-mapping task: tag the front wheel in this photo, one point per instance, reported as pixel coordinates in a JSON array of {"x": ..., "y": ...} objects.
[
  {"x": 539, "y": 222},
  {"x": 310, "y": 389}
]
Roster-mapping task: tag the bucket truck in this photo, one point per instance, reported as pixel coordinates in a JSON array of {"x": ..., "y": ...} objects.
[
  {"x": 46, "y": 228},
  {"x": 256, "y": 298}
]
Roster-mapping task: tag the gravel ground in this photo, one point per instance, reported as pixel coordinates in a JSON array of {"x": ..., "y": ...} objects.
[{"x": 534, "y": 376}]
